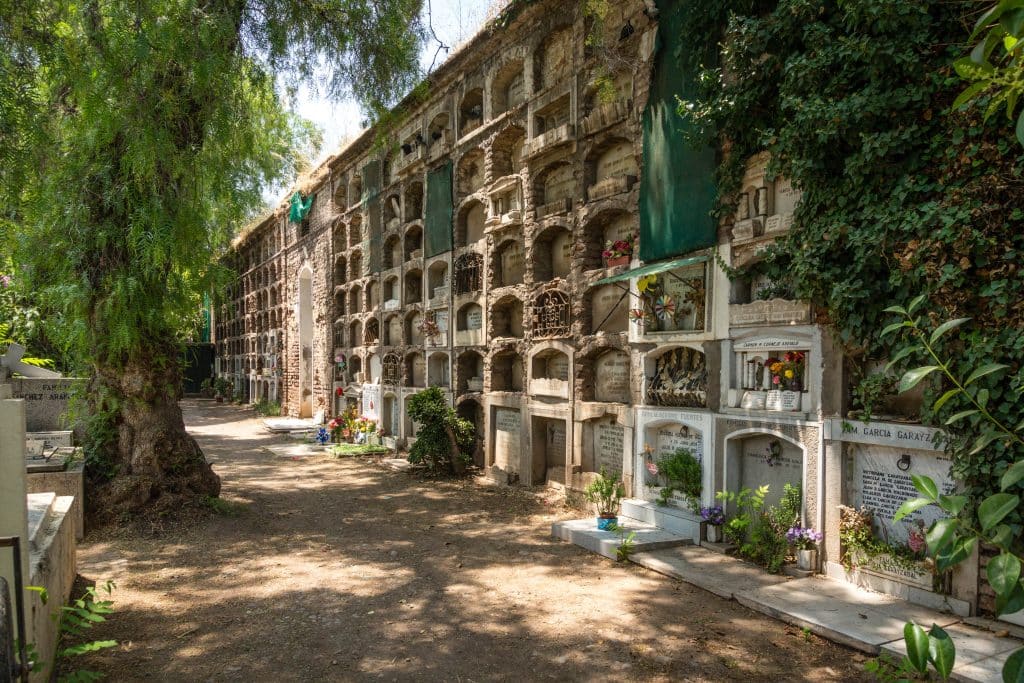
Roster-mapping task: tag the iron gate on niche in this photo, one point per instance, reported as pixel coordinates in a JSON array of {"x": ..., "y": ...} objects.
[
  {"x": 551, "y": 315},
  {"x": 371, "y": 332},
  {"x": 468, "y": 277},
  {"x": 392, "y": 373}
]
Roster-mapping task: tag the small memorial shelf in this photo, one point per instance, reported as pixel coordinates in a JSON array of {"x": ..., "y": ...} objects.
[{"x": 771, "y": 374}]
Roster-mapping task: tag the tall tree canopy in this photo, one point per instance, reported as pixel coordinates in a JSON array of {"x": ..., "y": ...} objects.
[{"x": 135, "y": 137}]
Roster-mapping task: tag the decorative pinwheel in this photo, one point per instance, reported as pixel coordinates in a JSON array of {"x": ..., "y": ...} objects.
[
  {"x": 645, "y": 283},
  {"x": 664, "y": 306},
  {"x": 638, "y": 316}
]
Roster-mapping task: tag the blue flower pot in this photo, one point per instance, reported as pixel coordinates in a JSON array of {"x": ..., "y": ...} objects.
[{"x": 603, "y": 523}]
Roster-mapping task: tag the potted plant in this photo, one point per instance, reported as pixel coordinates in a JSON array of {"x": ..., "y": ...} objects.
[
  {"x": 222, "y": 389},
  {"x": 618, "y": 252},
  {"x": 607, "y": 493},
  {"x": 805, "y": 545},
  {"x": 206, "y": 388},
  {"x": 714, "y": 518}
]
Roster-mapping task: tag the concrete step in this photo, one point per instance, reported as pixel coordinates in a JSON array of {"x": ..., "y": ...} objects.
[
  {"x": 584, "y": 533},
  {"x": 40, "y": 514},
  {"x": 679, "y": 522}
]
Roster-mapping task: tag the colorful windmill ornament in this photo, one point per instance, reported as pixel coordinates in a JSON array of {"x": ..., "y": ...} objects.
[{"x": 664, "y": 306}]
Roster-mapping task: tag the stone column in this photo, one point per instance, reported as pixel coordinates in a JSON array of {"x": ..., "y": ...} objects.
[{"x": 13, "y": 507}]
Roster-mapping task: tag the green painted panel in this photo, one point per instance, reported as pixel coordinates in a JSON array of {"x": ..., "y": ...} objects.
[
  {"x": 439, "y": 209},
  {"x": 677, "y": 186}
]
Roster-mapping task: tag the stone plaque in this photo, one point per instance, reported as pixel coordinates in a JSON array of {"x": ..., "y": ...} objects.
[
  {"x": 512, "y": 264},
  {"x": 609, "y": 442},
  {"x": 786, "y": 197},
  {"x": 609, "y": 309},
  {"x": 619, "y": 160},
  {"x": 743, "y": 230},
  {"x": 773, "y": 461},
  {"x": 612, "y": 377},
  {"x": 881, "y": 484},
  {"x": 46, "y": 401},
  {"x": 671, "y": 439},
  {"x": 507, "y": 427},
  {"x": 371, "y": 401},
  {"x": 52, "y": 439},
  {"x": 474, "y": 318},
  {"x": 419, "y": 369},
  {"x": 558, "y": 367},
  {"x": 560, "y": 184},
  {"x": 773, "y": 400},
  {"x": 773, "y": 225},
  {"x": 621, "y": 229},
  {"x": 556, "y": 438}
]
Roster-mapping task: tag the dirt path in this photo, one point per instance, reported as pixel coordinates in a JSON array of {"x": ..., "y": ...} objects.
[{"x": 341, "y": 569}]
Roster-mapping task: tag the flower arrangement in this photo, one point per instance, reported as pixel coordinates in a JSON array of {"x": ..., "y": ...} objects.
[
  {"x": 803, "y": 539},
  {"x": 713, "y": 515},
  {"x": 618, "y": 248},
  {"x": 788, "y": 372},
  {"x": 322, "y": 436},
  {"x": 430, "y": 328}
]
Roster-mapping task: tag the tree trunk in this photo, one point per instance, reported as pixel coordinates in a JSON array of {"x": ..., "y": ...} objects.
[
  {"x": 141, "y": 457},
  {"x": 457, "y": 464}
]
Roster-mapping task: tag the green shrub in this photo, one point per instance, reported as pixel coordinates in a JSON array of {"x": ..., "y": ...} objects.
[
  {"x": 683, "y": 473},
  {"x": 444, "y": 441}
]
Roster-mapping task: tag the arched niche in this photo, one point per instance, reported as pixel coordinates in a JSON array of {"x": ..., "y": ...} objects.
[
  {"x": 470, "y": 175},
  {"x": 391, "y": 293},
  {"x": 509, "y": 263},
  {"x": 439, "y": 370},
  {"x": 552, "y": 60},
  {"x": 339, "y": 304},
  {"x": 550, "y": 372},
  {"x": 611, "y": 168},
  {"x": 372, "y": 295},
  {"x": 389, "y": 416},
  {"x": 471, "y": 111},
  {"x": 604, "y": 228},
  {"x": 373, "y": 362},
  {"x": 507, "y": 152},
  {"x": 508, "y": 88},
  {"x": 355, "y": 369},
  {"x": 416, "y": 370},
  {"x": 338, "y": 236},
  {"x": 507, "y": 372},
  {"x": 391, "y": 369},
  {"x": 355, "y": 302},
  {"x": 661, "y": 438},
  {"x": 677, "y": 377},
  {"x": 469, "y": 323},
  {"x": 413, "y": 242},
  {"x": 468, "y": 273},
  {"x": 392, "y": 252},
  {"x": 552, "y": 254},
  {"x": 393, "y": 331},
  {"x": 470, "y": 372},
  {"x": 554, "y": 189},
  {"x": 471, "y": 410},
  {"x": 552, "y": 315},
  {"x": 437, "y": 281},
  {"x": 355, "y": 333},
  {"x": 413, "y": 287},
  {"x": 438, "y": 130},
  {"x": 355, "y": 265},
  {"x": 355, "y": 230},
  {"x": 413, "y": 333},
  {"x": 764, "y": 456},
  {"x": 340, "y": 270},
  {"x": 392, "y": 212},
  {"x": 371, "y": 332},
  {"x": 469, "y": 226},
  {"x": 355, "y": 190},
  {"x": 507, "y": 318},
  {"x": 611, "y": 377},
  {"x": 414, "y": 201},
  {"x": 607, "y": 309}
]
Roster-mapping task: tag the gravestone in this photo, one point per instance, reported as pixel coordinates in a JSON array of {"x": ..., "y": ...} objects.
[
  {"x": 620, "y": 229},
  {"x": 670, "y": 439},
  {"x": 512, "y": 264},
  {"x": 507, "y": 429},
  {"x": 618, "y": 160},
  {"x": 371, "y": 401},
  {"x": 558, "y": 367},
  {"x": 760, "y": 466},
  {"x": 612, "y": 377},
  {"x": 560, "y": 184},
  {"x": 474, "y": 318},
  {"x": 609, "y": 310},
  {"x": 881, "y": 481},
  {"x": 46, "y": 401},
  {"x": 609, "y": 441}
]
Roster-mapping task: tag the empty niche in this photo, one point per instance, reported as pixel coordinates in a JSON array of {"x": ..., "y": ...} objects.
[
  {"x": 372, "y": 295},
  {"x": 355, "y": 231},
  {"x": 471, "y": 111},
  {"x": 553, "y": 59},
  {"x": 355, "y": 299},
  {"x": 470, "y": 372},
  {"x": 609, "y": 309},
  {"x": 393, "y": 331},
  {"x": 413, "y": 243},
  {"x": 552, "y": 115},
  {"x": 339, "y": 304},
  {"x": 355, "y": 333},
  {"x": 416, "y": 370},
  {"x": 389, "y": 415},
  {"x": 391, "y": 293},
  {"x": 507, "y": 318},
  {"x": 472, "y": 411},
  {"x": 338, "y": 237},
  {"x": 438, "y": 131},
  {"x": 507, "y": 372},
  {"x": 413, "y": 287},
  {"x": 371, "y": 333},
  {"x": 469, "y": 227},
  {"x": 468, "y": 273},
  {"x": 437, "y": 281},
  {"x": 469, "y": 323},
  {"x": 355, "y": 190},
  {"x": 355, "y": 265},
  {"x": 471, "y": 172},
  {"x": 413, "y": 331},
  {"x": 509, "y": 264},
  {"x": 392, "y": 252},
  {"x": 552, "y": 254},
  {"x": 340, "y": 275},
  {"x": 414, "y": 201},
  {"x": 507, "y": 152},
  {"x": 392, "y": 212},
  {"x": 438, "y": 370},
  {"x": 508, "y": 88}
]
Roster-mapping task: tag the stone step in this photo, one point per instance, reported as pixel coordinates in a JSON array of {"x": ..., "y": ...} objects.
[
  {"x": 40, "y": 514},
  {"x": 676, "y": 521},
  {"x": 584, "y": 533}
]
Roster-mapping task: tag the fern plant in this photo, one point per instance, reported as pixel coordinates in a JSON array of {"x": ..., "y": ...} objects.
[{"x": 73, "y": 623}]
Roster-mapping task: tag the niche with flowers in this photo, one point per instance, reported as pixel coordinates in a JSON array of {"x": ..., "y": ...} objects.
[
  {"x": 770, "y": 374},
  {"x": 672, "y": 301}
]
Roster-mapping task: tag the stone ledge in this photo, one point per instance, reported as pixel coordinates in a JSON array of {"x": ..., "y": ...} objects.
[{"x": 584, "y": 533}]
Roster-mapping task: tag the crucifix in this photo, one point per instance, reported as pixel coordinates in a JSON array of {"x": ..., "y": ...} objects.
[{"x": 12, "y": 361}]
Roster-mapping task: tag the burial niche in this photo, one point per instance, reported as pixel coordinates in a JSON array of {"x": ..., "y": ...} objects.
[
  {"x": 470, "y": 372},
  {"x": 679, "y": 379},
  {"x": 507, "y": 152},
  {"x": 507, "y": 318},
  {"x": 549, "y": 373},
  {"x": 611, "y": 377},
  {"x": 414, "y": 201},
  {"x": 413, "y": 287},
  {"x": 609, "y": 309},
  {"x": 471, "y": 172},
  {"x": 413, "y": 242},
  {"x": 767, "y": 459},
  {"x": 555, "y": 188},
  {"x": 392, "y": 252},
  {"x": 471, "y": 111},
  {"x": 439, "y": 370},
  {"x": 507, "y": 372},
  {"x": 552, "y": 254},
  {"x": 509, "y": 264},
  {"x": 551, "y": 315},
  {"x": 393, "y": 331},
  {"x": 416, "y": 370},
  {"x": 469, "y": 323},
  {"x": 606, "y": 228},
  {"x": 372, "y": 331},
  {"x": 552, "y": 60},
  {"x": 507, "y": 88},
  {"x": 469, "y": 273},
  {"x": 469, "y": 227}
]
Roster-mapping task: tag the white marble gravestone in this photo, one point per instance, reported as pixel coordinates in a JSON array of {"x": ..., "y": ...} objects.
[
  {"x": 507, "y": 429},
  {"x": 759, "y": 468}
]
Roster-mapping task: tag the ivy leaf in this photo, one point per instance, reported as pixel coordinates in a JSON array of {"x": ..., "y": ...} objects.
[
  {"x": 986, "y": 369},
  {"x": 1012, "y": 475},
  {"x": 961, "y": 415},
  {"x": 1003, "y": 573},
  {"x": 917, "y": 646},
  {"x": 946, "y": 327},
  {"x": 944, "y": 399},
  {"x": 910, "y": 506},
  {"x": 926, "y": 486},
  {"x": 941, "y": 651},
  {"x": 995, "y": 507},
  {"x": 913, "y": 377}
]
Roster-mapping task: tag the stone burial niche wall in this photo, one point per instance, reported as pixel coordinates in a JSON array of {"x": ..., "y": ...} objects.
[{"x": 877, "y": 461}]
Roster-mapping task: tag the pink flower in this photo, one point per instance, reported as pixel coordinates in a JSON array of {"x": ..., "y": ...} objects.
[
  {"x": 652, "y": 467},
  {"x": 775, "y": 379},
  {"x": 5, "y": 280}
]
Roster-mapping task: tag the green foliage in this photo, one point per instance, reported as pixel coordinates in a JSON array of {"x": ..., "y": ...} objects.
[
  {"x": 221, "y": 507},
  {"x": 606, "y": 492},
  {"x": 759, "y": 533},
  {"x": 746, "y": 507},
  {"x": 928, "y": 652},
  {"x": 74, "y": 621},
  {"x": 683, "y": 473},
  {"x": 627, "y": 543},
  {"x": 223, "y": 387},
  {"x": 267, "y": 408},
  {"x": 345, "y": 450},
  {"x": 871, "y": 393},
  {"x": 444, "y": 441}
]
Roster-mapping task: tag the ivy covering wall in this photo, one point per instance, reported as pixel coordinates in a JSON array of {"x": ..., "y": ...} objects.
[{"x": 901, "y": 195}]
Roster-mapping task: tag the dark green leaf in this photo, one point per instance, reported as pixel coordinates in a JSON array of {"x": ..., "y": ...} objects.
[
  {"x": 961, "y": 415},
  {"x": 1014, "y": 602},
  {"x": 1003, "y": 573},
  {"x": 941, "y": 650},
  {"x": 901, "y": 354},
  {"x": 913, "y": 377},
  {"x": 916, "y": 303},
  {"x": 1013, "y": 668},
  {"x": 911, "y": 506},
  {"x": 889, "y": 329},
  {"x": 969, "y": 93},
  {"x": 1002, "y": 535},
  {"x": 896, "y": 309},
  {"x": 944, "y": 399},
  {"x": 995, "y": 507},
  {"x": 941, "y": 534},
  {"x": 982, "y": 371},
  {"x": 916, "y": 641},
  {"x": 1020, "y": 128},
  {"x": 952, "y": 505},
  {"x": 1012, "y": 475},
  {"x": 1013, "y": 22},
  {"x": 956, "y": 553}
]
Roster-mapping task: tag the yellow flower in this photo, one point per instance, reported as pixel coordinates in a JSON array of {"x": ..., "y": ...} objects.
[
  {"x": 645, "y": 282},
  {"x": 789, "y": 374}
]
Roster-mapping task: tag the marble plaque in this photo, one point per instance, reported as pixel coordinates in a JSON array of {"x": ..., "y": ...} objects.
[
  {"x": 507, "y": 427},
  {"x": 419, "y": 369},
  {"x": 753, "y": 400},
  {"x": 743, "y": 230},
  {"x": 612, "y": 377},
  {"x": 560, "y": 184},
  {"x": 774, "y": 400},
  {"x": 609, "y": 442},
  {"x": 880, "y": 484},
  {"x": 773, "y": 225},
  {"x": 474, "y": 318},
  {"x": 786, "y": 197},
  {"x": 371, "y": 401},
  {"x": 619, "y": 160},
  {"x": 885, "y": 434},
  {"x": 760, "y": 467},
  {"x": 671, "y": 439}
]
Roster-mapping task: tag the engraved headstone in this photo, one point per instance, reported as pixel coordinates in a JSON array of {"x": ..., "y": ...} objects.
[
  {"x": 507, "y": 426},
  {"x": 609, "y": 441},
  {"x": 671, "y": 439},
  {"x": 772, "y": 461},
  {"x": 612, "y": 377},
  {"x": 474, "y": 318}
]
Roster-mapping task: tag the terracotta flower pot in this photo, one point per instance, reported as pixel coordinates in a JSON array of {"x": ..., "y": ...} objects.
[{"x": 617, "y": 261}]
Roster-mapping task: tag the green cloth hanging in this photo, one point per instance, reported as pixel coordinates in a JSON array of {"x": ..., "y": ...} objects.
[{"x": 300, "y": 209}]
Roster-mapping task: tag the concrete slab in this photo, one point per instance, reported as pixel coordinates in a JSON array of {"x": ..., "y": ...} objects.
[
  {"x": 715, "y": 573},
  {"x": 972, "y": 644},
  {"x": 298, "y": 450},
  {"x": 584, "y": 533},
  {"x": 679, "y": 522},
  {"x": 40, "y": 507},
  {"x": 283, "y": 425}
]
